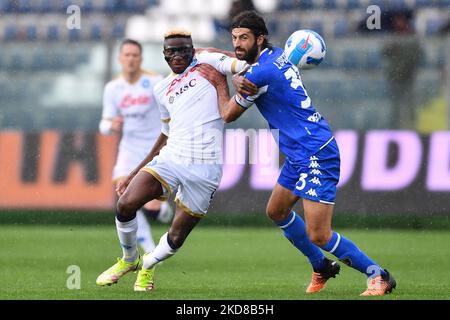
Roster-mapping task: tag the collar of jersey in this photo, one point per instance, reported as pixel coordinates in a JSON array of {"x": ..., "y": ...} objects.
[
  {"x": 263, "y": 54},
  {"x": 141, "y": 73}
]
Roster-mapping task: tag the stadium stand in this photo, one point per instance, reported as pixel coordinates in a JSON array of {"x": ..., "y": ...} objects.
[
  {"x": 35, "y": 39},
  {"x": 336, "y": 18}
]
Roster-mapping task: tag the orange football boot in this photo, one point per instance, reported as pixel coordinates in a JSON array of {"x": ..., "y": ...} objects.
[
  {"x": 318, "y": 279},
  {"x": 380, "y": 285}
]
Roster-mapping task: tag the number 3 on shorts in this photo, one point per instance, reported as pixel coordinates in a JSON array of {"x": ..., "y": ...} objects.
[{"x": 301, "y": 182}]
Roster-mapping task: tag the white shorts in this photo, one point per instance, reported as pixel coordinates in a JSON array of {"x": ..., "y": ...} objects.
[
  {"x": 196, "y": 183},
  {"x": 131, "y": 152}
]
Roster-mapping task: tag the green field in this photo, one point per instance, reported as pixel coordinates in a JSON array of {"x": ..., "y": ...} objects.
[{"x": 215, "y": 263}]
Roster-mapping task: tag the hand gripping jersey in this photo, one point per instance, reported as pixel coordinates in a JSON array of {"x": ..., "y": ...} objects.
[
  {"x": 188, "y": 102},
  {"x": 283, "y": 101}
]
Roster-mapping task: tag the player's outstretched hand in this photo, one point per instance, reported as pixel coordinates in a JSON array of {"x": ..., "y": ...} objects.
[
  {"x": 212, "y": 75},
  {"x": 123, "y": 184},
  {"x": 244, "y": 86}
]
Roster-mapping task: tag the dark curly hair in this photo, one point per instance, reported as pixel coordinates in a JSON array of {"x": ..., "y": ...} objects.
[{"x": 251, "y": 20}]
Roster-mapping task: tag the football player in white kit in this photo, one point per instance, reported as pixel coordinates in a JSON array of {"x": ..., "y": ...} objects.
[
  {"x": 130, "y": 109},
  {"x": 186, "y": 158}
]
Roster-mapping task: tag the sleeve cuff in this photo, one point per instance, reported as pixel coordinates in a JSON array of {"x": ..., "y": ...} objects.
[
  {"x": 165, "y": 128},
  {"x": 105, "y": 126},
  {"x": 244, "y": 103}
]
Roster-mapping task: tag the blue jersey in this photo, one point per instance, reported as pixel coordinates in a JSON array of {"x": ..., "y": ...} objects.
[{"x": 285, "y": 104}]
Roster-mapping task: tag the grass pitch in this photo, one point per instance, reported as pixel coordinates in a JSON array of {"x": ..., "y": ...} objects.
[{"x": 215, "y": 263}]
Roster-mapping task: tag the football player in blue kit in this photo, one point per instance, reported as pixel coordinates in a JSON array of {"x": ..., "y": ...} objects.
[{"x": 312, "y": 166}]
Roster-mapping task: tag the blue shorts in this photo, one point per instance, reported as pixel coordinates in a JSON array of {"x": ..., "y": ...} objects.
[{"x": 314, "y": 179}]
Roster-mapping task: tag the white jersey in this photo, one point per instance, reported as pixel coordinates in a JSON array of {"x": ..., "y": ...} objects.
[
  {"x": 188, "y": 102},
  {"x": 136, "y": 104}
]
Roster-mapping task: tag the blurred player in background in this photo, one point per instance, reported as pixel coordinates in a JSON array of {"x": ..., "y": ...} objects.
[
  {"x": 130, "y": 109},
  {"x": 312, "y": 166},
  {"x": 186, "y": 157}
]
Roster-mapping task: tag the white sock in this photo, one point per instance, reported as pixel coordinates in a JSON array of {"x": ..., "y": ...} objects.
[
  {"x": 161, "y": 252},
  {"x": 127, "y": 237},
  {"x": 144, "y": 233}
]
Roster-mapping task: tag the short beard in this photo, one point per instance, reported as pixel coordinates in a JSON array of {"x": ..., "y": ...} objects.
[{"x": 250, "y": 57}]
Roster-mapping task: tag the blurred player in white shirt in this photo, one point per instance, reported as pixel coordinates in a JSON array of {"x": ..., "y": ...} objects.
[
  {"x": 187, "y": 158},
  {"x": 130, "y": 109}
]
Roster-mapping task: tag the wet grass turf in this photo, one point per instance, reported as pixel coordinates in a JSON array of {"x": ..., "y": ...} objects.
[{"x": 215, "y": 263}]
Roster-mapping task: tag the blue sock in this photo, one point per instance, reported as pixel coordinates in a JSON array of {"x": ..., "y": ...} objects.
[
  {"x": 294, "y": 230},
  {"x": 351, "y": 255}
]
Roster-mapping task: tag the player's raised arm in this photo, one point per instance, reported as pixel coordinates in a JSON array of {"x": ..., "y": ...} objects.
[{"x": 222, "y": 62}]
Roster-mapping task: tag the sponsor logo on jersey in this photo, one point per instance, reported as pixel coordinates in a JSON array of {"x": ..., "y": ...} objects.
[
  {"x": 130, "y": 101},
  {"x": 192, "y": 83},
  {"x": 178, "y": 79}
]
